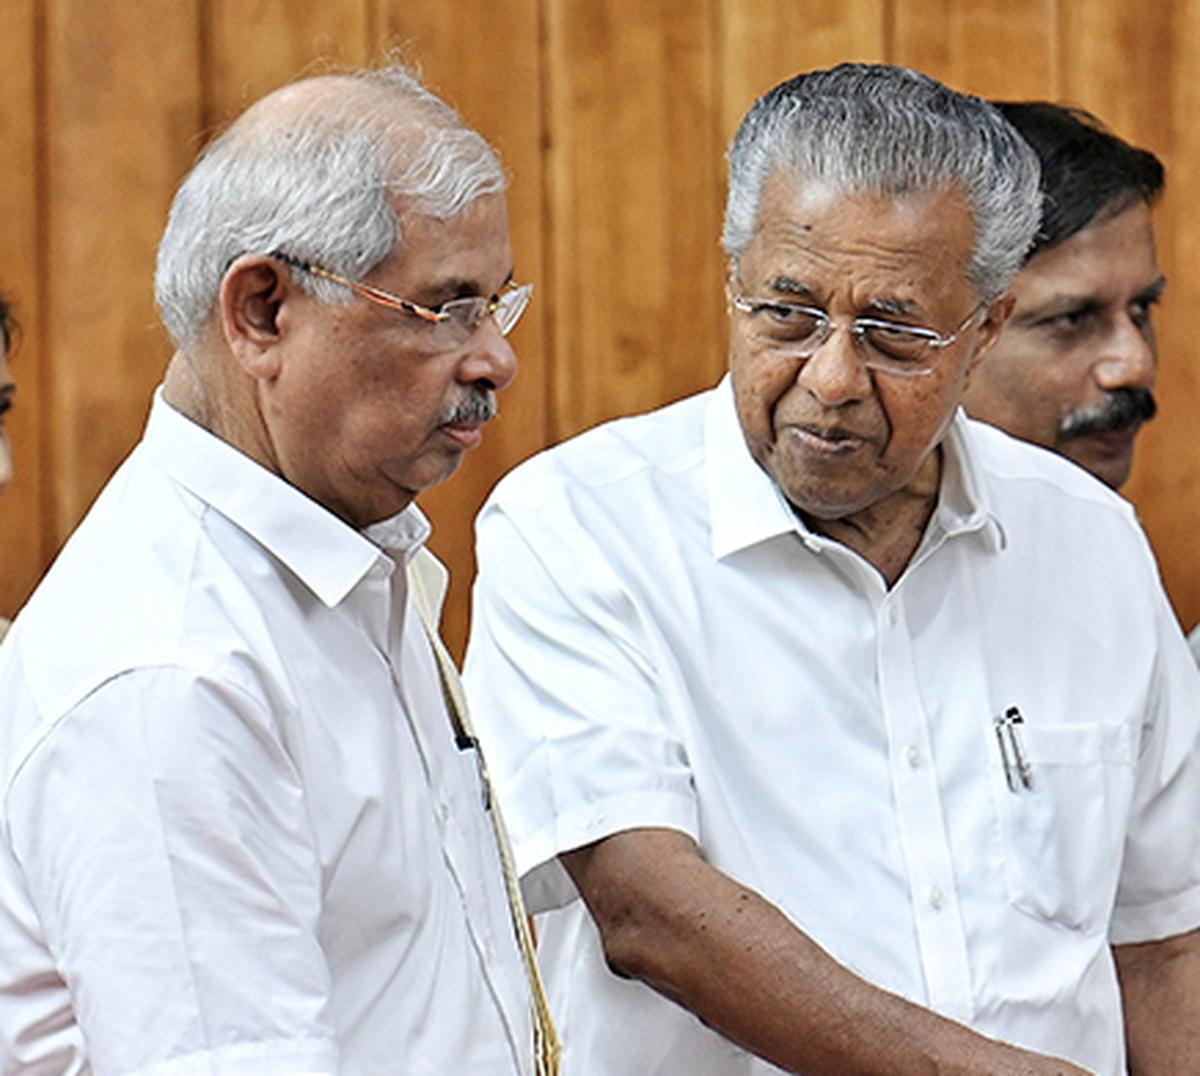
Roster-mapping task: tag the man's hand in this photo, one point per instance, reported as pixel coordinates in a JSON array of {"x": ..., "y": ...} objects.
[{"x": 720, "y": 950}]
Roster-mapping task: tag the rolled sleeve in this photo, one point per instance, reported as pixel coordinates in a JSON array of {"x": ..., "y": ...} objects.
[
  {"x": 1159, "y": 891},
  {"x": 562, "y": 682}
]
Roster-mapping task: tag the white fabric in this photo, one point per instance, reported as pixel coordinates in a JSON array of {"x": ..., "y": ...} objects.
[
  {"x": 658, "y": 641},
  {"x": 237, "y": 835},
  {"x": 1194, "y": 642}
]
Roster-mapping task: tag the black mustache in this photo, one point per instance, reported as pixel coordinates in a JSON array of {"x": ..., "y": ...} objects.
[
  {"x": 474, "y": 409},
  {"x": 1122, "y": 409}
]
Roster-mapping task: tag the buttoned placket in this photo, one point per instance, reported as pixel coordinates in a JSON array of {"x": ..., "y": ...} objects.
[
  {"x": 941, "y": 938},
  {"x": 439, "y": 758}
]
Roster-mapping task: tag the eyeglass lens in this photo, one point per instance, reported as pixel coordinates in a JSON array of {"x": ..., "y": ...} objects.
[{"x": 803, "y": 331}]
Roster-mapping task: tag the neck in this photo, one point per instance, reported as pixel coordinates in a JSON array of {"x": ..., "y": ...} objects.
[
  {"x": 886, "y": 534},
  {"x": 200, "y": 387}
]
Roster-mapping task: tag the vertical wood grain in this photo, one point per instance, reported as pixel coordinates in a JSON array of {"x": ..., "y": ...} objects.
[
  {"x": 25, "y": 545},
  {"x": 121, "y": 113},
  {"x": 256, "y": 45},
  {"x": 633, "y": 178},
  {"x": 762, "y": 42},
  {"x": 484, "y": 58},
  {"x": 1135, "y": 68},
  {"x": 995, "y": 48}
]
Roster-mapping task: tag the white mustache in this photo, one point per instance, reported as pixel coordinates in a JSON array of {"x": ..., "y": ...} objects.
[{"x": 474, "y": 409}]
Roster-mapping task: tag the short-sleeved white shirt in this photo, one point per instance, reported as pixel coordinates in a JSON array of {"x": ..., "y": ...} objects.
[
  {"x": 659, "y": 641},
  {"x": 236, "y": 835}
]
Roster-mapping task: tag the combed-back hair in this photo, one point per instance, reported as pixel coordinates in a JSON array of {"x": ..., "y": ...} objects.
[
  {"x": 874, "y": 128},
  {"x": 323, "y": 189},
  {"x": 1088, "y": 173}
]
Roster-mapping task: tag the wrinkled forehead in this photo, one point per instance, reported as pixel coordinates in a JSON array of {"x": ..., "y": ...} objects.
[{"x": 919, "y": 240}]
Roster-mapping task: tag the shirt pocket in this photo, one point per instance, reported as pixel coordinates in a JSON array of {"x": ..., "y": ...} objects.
[{"x": 1063, "y": 835}]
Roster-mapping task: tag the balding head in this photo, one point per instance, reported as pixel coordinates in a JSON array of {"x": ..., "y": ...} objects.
[{"x": 325, "y": 169}]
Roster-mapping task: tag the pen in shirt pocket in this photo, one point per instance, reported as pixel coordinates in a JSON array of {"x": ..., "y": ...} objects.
[{"x": 1017, "y": 771}]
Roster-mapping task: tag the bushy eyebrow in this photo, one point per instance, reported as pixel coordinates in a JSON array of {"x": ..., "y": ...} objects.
[
  {"x": 460, "y": 288},
  {"x": 894, "y": 307}
]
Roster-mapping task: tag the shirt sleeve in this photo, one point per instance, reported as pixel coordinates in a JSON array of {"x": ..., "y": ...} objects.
[
  {"x": 564, "y": 688},
  {"x": 161, "y": 830},
  {"x": 1158, "y": 894}
]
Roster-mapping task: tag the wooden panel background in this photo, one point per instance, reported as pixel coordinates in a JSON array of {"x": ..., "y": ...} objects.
[{"x": 611, "y": 116}]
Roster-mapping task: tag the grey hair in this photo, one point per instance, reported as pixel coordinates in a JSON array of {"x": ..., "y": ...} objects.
[
  {"x": 873, "y": 128},
  {"x": 320, "y": 188}
]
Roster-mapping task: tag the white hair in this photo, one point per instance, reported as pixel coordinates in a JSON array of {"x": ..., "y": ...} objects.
[
  {"x": 889, "y": 130},
  {"x": 320, "y": 188}
]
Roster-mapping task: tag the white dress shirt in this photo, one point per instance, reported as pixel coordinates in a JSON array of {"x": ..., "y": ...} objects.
[
  {"x": 659, "y": 641},
  {"x": 237, "y": 834}
]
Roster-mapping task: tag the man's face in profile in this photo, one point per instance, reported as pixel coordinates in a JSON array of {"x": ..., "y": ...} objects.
[{"x": 1074, "y": 366}]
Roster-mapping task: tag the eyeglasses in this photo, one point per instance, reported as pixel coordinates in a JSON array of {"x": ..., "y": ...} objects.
[
  {"x": 798, "y": 331},
  {"x": 452, "y": 323}
]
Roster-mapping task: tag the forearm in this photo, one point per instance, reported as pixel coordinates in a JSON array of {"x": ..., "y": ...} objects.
[
  {"x": 742, "y": 967},
  {"x": 1160, "y": 988}
]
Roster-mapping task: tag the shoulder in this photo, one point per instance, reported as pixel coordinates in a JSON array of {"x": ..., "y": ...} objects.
[
  {"x": 1028, "y": 477},
  {"x": 1060, "y": 523},
  {"x": 620, "y": 453},
  {"x": 148, "y": 580}
]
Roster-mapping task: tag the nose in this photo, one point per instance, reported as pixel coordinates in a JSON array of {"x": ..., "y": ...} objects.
[
  {"x": 1128, "y": 358},
  {"x": 835, "y": 373},
  {"x": 490, "y": 357}
]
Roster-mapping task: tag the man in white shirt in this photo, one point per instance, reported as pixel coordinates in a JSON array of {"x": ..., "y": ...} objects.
[
  {"x": 240, "y": 832},
  {"x": 830, "y": 736}
]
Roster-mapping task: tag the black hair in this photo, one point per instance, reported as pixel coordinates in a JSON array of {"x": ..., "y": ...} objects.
[{"x": 1087, "y": 171}]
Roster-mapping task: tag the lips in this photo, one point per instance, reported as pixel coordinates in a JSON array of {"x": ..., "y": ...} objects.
[
  {"x": 1113, "y": 442},
  {"x": 464, "y": 434},
  {"x": 826, "y": 440}
]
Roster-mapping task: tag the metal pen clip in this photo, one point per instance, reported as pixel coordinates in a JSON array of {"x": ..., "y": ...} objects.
[
  {"x": 1017, "y": 771},
  {"x": 999, "y": 724}
]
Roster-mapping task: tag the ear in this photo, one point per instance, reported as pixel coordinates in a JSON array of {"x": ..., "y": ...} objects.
[
  {"x": 997, "y": 314},
  {"x": 253, "y": 292}
]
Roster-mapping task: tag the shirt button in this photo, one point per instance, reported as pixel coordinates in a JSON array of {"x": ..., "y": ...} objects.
[
  {"x": 914, "y": 758},
  {"x": 893, "y": 615},
  {"x": 936, "y": 898}
]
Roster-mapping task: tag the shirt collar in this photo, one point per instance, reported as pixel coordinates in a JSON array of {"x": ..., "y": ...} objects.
[
  {"x": 746, "y": 506},
  {"x": 324, "y": 552},
  {"x": 965, "y": 503}
]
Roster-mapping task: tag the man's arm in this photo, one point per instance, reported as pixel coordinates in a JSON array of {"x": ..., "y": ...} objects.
[
  {"x": 718, "y": 949},
  {"x": 1160, "y": 988}
]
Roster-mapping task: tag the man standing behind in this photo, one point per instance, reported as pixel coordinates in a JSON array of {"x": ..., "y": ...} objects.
[
  {"x": 1074, "y": 367},
  {"x": 238, "y": 833},
  {"x": 806, "y": 685}
]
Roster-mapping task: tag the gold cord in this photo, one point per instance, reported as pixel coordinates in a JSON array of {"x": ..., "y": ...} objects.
[{"x": 547, "y": 1048}]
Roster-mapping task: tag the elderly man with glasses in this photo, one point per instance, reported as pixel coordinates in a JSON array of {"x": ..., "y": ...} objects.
[
  {"x": 837, "y": 732},
  {"x": 245, "y": 828}
]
